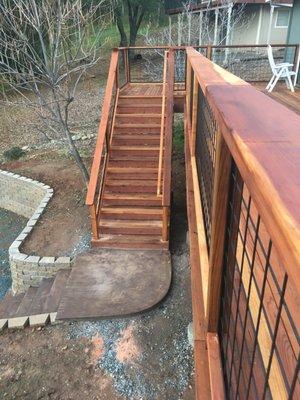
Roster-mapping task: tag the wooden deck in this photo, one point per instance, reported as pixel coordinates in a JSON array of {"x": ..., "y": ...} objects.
[
  {"x": 106, "y": 283},
  {"x": 283, "y": 95}
]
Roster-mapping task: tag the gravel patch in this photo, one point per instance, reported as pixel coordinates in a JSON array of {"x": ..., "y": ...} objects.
[{"x": 11, "y": 225}]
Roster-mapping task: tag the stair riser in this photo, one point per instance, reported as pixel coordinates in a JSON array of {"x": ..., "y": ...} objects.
[
  {"x": 130, "y": 202},
  {"x": 136, "y": 130},
  {"x": 130, "y": 246},
  {"x": 155, "y": 109},
  {"x": 131, "y": 216},
  {"x": 130, "y": 230},
  {"x": 132, "y": 175},
  {"x": 136, "y": 152},
  {"x": 143, "y": 142},
  {"x": 133, "y": 163},
  {"x": 131, "y": 189},
  {"x": 139, "y": 101},
  {"x": 137, "y": 119}
]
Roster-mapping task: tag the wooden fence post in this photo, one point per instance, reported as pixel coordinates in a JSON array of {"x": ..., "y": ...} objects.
[
  {"x": 219, "y": 215},
  {"x": 188, "y": 86},
  {"x": 208, "y": 52}
]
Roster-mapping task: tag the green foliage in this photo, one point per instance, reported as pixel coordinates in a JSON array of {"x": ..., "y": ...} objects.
[
  {"x": 178, "y": 136},
  {"x": 13, "y": 154}
]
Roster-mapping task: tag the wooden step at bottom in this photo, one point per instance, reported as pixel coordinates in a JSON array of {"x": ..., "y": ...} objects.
[
  {"x": 130, "y": 242},
  {"x": 122, "y": 199},
  {"x": 58, "y": 285},
  {"x": 13, "y": 305},
  {"x": 130, "y": 227},
  {"x": 25, "y": 305},
  {"x": 131, "y": 213},
  {"x": 4, "y": 304},
  {"x": 37, "y": 306}
]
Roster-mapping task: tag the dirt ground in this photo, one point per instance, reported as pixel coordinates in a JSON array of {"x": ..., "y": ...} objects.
[{"x": 65, "y": 223}]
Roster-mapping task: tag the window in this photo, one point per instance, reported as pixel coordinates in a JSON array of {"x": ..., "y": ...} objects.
[{"x": 282, "y": 20}]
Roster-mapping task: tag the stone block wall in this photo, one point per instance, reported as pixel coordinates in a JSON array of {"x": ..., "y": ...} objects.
[{"x": 27, "y": 197}]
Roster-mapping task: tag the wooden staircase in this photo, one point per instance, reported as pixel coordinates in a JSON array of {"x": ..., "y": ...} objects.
[
  {"x": 131, "y": 212},
  {"x": 36, "y": 307},
  {"x": 130, "y": 207}
]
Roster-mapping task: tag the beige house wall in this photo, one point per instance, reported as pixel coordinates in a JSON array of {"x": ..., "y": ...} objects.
[{"x": 248, "y": 32}]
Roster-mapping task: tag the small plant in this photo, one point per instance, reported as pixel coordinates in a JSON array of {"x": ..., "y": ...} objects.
[
  {"x": 14, "y": 153},
  {"x": 178, "y": 136}
]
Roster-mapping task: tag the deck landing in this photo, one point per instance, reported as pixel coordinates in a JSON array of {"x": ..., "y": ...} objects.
[{"x": 112, "y": 282}]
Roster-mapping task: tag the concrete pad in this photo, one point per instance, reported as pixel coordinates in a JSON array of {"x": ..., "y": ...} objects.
[
  {"x": 18, "y": 322},
  {"x": 111, "y": 282},
  {"x": 39, "y": 319},
  {"x": 3, "y": 324}
]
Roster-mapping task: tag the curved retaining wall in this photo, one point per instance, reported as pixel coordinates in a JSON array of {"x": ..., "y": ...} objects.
[{"x": 27, "y": 197}]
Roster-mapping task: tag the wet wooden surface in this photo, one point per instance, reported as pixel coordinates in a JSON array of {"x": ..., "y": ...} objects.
[
  {"x": 283, "y": 95},
  {"x": 112, "y": 282}
]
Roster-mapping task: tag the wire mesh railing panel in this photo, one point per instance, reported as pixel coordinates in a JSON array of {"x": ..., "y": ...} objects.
[
  {"x": 251, "y": 63},
  {"x": 146, "y": 65},
  {"x": 180, "y": 62},
  {"x": 122, "y": 68},
  {"x": 259, "y": 321},
  {"x": 205, "y": 151}
]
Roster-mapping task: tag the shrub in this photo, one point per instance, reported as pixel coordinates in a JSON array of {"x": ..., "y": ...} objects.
[{"x": 14, "y": 153}]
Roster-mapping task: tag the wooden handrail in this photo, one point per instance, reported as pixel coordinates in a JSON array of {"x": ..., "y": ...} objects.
[
  {"x": 90, "y": 197},
  {"x": 205, "y": 46},
  {"x": 162, "y": 122},
  {"x": 263, "y": 139}
]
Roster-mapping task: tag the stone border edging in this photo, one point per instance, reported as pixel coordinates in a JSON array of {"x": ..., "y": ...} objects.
[{"x": 28, "y": 270}]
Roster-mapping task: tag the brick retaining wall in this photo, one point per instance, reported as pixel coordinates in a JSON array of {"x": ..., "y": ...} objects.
[{"x": 27, "y": 197}]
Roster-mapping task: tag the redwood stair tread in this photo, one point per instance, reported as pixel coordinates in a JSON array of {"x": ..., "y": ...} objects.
[
  {"x": 25, "y": 305},
  {"x": 58, "y": 285},
  {"x": 37, "y": 305}
]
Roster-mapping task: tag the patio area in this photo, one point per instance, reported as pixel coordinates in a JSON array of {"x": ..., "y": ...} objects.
[{"x": 283, "y": 95}]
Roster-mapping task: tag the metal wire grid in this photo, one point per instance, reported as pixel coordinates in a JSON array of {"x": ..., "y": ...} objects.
[
  {"x": 205, "y": 152},
  {"x": 122, "y": 70},
  {"x": 146, "y": 65},
  {"x": 251, "y": 64},
  {"x": 258, "y": 324}
]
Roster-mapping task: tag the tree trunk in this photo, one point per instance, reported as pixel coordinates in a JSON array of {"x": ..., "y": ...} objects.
[
  {"x": 76, "y": 156},
  {"x": 120, "y": 25}
]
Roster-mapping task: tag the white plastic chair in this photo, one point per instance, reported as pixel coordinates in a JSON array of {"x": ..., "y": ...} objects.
[{"x": 280, "y": 71}]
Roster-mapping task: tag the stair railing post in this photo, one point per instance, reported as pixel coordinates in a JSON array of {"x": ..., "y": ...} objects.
[
  {"x": 94, "y": 223},
  {"x": 219, "y": 219}
]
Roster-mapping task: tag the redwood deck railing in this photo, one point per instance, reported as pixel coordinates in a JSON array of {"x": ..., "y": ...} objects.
[
  {"x": 243, "y": 153},
  {"x": 98, "y": 170}
]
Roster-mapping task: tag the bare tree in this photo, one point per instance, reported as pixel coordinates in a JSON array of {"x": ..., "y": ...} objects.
[
  {"x": 210, "y": 25},
  {"x": 46, "y": 47}
]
